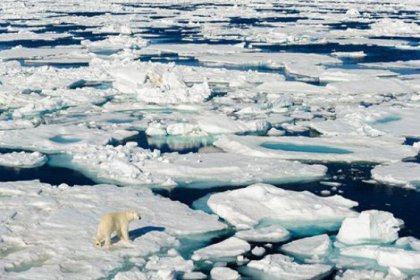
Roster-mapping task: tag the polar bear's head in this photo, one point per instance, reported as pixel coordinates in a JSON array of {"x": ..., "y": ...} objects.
[{"x": 133, "y": 215}]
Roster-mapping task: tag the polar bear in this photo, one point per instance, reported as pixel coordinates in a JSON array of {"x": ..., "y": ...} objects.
[{"x": 114, "y": 222}]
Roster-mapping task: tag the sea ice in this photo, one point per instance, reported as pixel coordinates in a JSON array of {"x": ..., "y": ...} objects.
[
  {"x": 247, "y": 207},
  {"x": 283, "y": 267},
  {"x": 258, "y": 251},
  {"x": 131, "y": 165},
  {"x": 330, "y": 149},
  {"x": 309, "y": 247},
  {"x": 403, "y": 174},
  {"x": 224, "y": 273},
  {"x": 38, "y": 232},
  {"x": 408, "y": 261},
  {"x": 353, "y": 274},
  {"x": 226, "y": 250},
  {"x": 271, "y": 234},
  {"x": 59, "y": 138},
  {"x": 371, "y": 226},
  {"x": 23, "y": 159}
]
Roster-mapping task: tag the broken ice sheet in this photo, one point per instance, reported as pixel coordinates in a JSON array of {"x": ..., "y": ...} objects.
[
  {"x": 302, "y": 212},
  {"x": 22, "y": 159},
  {"x": 40, "y": 221},
  {"x": 329, "y": 149},
  {"x": 131, "y": 165}
]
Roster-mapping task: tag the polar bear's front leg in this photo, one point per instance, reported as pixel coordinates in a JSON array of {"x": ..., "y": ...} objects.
[
  {"x": 124, "y": 234},
  {"x": 108, "y": 241}
]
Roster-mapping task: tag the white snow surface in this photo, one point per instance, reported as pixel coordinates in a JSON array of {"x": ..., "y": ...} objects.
[
  {"x": 329, "y": 149},
  {"x": 81, "y": 79},
  {"x": 309, "y": 247},
  {"x": 225, "y": 250},
  {"x": 401, "y": 174},
  {"x": 270, "y": 234},
  {"x": 40, "y": 221},
  {"x": 245, "y": 208},
  {"x": 23, "y": 159},
  {"x": 131, "y": 165},
  {"x": 386, "y": 256},
  {"x": 224, "y": 273},
  {"x": 283, "y": 267},
  {"x": 371, "y": 226}
]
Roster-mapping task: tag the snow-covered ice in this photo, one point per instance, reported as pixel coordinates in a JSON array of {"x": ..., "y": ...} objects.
[
  {"x": 402, "y": 174},
  {"x": 131, "y": 165},
  {"x": 371, "y": 226},
  {"x": 283, "y": 267},
  {"x": 247, "y": 207},
  {"x": 386, "y": 256},
  {"x": 39, "y": 222},
  {"x": 224, "y": 273},
  {"x": 309, "y": 247},
  {"x": 197, "y": 100},
  {"x": 271, "y": 234},
  {"x": 23, "y": 159},
  {"x": 226, "y": 250},
  {"x": 331, "y": 149}
]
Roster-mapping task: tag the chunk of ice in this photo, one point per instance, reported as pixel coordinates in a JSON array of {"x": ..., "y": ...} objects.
[
  {"x": 371, "y": 226},
  {"x": 283, "y": 267},
  {"x": 226, "y": 250},
  {"x": 245, "y": 208},
  {"x": 309, "y": 247}
]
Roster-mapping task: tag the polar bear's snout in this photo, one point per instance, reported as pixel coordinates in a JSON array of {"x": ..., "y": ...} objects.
[{"x": 136, "y": 216}]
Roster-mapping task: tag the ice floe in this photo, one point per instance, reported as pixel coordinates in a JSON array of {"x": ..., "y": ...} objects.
[
  {"x": 59, "y": 138},
  {"x": 39, "y": 222},
  {"x": 332, "y": 149},
  {"x": 353, "y": 274},
  {"x": 224, "y": 273},
  {"x": 247, "y": 207},
  {"x": 270, "y": 234},
  {"x": 226, "y": 250},
  {"x": 79, "y": 81},
  {"x": 283, "y": 267},
  {"x": 402, "y": 174},
  {"x": 405, "y": 260},
  {"x": 23, "y": 159},
  {"x": 371, "y": 226},
  {"x": 132, "y": 165},
  {"x": 310, "y": 247}
]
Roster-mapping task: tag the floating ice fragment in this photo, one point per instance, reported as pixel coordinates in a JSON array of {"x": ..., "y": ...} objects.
[
  {"x": 331, "y": 149},
  {"x": 401, "y": 174},
  {"x": 224, "y": 273},
  {"x": 245, "y": 208},
  {"x": 59, "y": 138},
  {"x": 349, "y": 54},
  {"x": 272, "y": 234},
  {"x": 354, "y": 274},
  {"x": 47, "y": 218},
  {"x": 226, "y": 250},
  {"x": 406, "y": 260},
  {"x": 309, "y": 247},
  {"x": 371, "y": 226},
  {"x": 23, "y": 159},
  {"x": 258, "y": 251},
  {"x": 194, "y": 276},
  {"x": 283, "y": 267},
  {"x": 131, "y": 165}
]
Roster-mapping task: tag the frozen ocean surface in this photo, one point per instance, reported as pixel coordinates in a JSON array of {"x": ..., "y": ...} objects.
[{"x": 258, "y": 139}]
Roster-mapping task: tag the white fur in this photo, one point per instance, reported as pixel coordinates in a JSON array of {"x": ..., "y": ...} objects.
[{"x": 114, "y": 222}]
